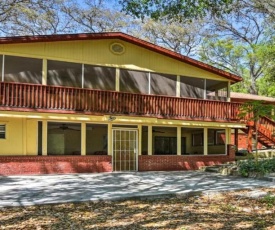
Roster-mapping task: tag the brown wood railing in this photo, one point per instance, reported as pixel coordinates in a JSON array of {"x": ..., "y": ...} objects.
[
  {"x": 28, "y": 97},
  {"x": 266, "y": 127}
]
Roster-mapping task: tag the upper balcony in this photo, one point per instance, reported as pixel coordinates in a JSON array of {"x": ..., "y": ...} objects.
[{"x": 60, "y": 99}]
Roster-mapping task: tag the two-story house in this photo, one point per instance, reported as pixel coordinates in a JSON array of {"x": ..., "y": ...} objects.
[{"x": 110, "y": 102}]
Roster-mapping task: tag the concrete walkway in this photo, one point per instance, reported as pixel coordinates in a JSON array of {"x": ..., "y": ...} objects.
[{"x": 48, "y": 189}]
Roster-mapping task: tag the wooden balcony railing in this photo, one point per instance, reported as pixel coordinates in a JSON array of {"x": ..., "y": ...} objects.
[{"x": 44, "y": 98}]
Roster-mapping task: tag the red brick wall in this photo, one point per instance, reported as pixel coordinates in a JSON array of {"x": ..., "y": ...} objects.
[
  {"x": 23, "y": 165},
  {"x": 173, "y": 163},
  {"x": 17, "y": 165},
  {"x": 242, "y": 141}
]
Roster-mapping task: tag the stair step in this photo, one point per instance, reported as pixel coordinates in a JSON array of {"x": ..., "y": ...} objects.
[{"x": 212, "y": 169}]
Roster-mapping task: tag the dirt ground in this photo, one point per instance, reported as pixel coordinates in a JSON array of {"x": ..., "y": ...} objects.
[{"x": 230, "y": 210}]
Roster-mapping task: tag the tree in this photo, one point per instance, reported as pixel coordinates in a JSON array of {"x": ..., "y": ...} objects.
[
  {"x": 238, "y": 42},
  {"x": 181, "y": 37},
  {"x": 7, "y": 8},
  {"x": 38, "y": 17},
  {"x": 175, "y": 9},
  {"x": 253, "y": 111},
  {"x": 96, "y": 16}
]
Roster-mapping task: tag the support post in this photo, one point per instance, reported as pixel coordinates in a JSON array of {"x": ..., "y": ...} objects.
[
  {"x": 150, "y": 143},
  {"x": 236, "y": 138},
  {"x": 178, "y": 140},
  {"x": 44, "y": 138},
  {"x": 83, "y": 139},
  {"x": 249, "y": 139}
]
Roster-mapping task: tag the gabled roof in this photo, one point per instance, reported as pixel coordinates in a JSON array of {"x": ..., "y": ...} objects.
[
  {"x": 243, "y": 97},
  {"x": 123, "y": 37}
]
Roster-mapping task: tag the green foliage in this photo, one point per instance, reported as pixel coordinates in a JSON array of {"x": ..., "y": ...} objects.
[
  {"x": 175, "y": 9},
  {"x": 251, "y": 166},
  {"x": 268, "y": 200},
  {"x": 255, "y": 109}
]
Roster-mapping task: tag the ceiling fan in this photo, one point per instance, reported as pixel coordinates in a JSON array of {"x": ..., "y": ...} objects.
[
  {"x": 65, "y": 127},
  {"x": 155, "y": 131}
]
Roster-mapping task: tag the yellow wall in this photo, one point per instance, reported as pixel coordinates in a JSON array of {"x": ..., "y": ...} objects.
[
  {"x": 22, "y": 130},
  {"x": 97, "y": 52},
  {"x": 21, "y": 137}
]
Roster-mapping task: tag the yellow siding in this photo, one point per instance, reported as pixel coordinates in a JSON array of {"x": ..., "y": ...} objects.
[
  {"x": 97, "y": 52},
  {"x": 20, "y": 137}
]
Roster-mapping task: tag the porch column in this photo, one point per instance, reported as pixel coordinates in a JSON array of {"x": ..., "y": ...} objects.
[
  {"x": 205, "y": 141},
  {"x": 117, "y": 79},
  {"x": 249, "y": 139},
  {"x": 109, "y": 139},
  {"x": 83, "y": 139},
  {"x": 139, "y": 139},
  {"x": 178, "y": 140},
  {"x": 44, "y": 71},
  {"x": 150, "y": 142},
  {"x": 3, "y": 68},
  {"x": 178, "y": 86},
  {"x": 228, "y": 92},
  {"x": 44, "y": 137},
  {"x": 236, "y": 138}
]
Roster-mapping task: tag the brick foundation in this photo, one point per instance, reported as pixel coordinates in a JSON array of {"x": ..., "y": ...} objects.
[
  {"x": 175, "y": 163},
  {"x": 23, "y": 165}
]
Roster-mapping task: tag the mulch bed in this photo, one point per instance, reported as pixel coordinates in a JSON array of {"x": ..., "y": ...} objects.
[{"x": 230, "y": 210}]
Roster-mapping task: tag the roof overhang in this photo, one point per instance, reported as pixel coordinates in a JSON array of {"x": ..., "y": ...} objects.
[{"x": 124, "y": 37}]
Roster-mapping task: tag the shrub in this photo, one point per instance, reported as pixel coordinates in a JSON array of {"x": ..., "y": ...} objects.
[{"x": 261, "y": 167}]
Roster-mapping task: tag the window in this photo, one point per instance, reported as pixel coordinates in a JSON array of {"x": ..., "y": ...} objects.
[
  {"x": 197, "y": 139},
  {"x": 165, "y": 145},
  {"x": 134, "y": 81},
  {"x": 2, "y": 131},
  {"x": 216, "y": 90},
  {"x": 23, "y": 70},
  {"x": 64, "y": 138},
  {"x": 211, "y": 136},
  {"x": 163, "y": 84},
  {"x": 96, "y": 139},
  {"x": 220, "y": 137},
  {"x": 99, "y": 77},
  {"x": 192, "y": 87},
  {"x": 64, "y": 74}
]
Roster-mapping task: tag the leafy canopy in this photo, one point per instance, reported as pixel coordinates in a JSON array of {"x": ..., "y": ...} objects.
[
  {"x": 175, "y": 9},
  {"x": 253, "y": 110}
]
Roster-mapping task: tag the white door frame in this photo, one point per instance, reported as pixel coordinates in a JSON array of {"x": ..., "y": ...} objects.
[{"x": 136, "y": 146}]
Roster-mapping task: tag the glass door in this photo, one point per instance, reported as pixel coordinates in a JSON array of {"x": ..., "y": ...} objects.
[{"x": 125, "y": 149}]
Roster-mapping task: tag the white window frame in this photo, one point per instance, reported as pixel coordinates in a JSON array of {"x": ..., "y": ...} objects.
[{"x": 3, "y": 131}]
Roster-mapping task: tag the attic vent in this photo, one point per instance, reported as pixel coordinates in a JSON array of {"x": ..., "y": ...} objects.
[{"x": 117, "y": 48}]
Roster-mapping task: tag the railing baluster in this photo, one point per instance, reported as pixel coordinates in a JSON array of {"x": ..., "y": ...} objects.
[{"x": 67, "y": 98}]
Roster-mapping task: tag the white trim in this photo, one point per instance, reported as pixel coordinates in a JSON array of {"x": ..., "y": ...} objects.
[
  {"x": 82, "y": 76},
  {"x": 3, "y": 67},
  {"x": 5, "y": 131},
  {"x": 205, "y": 141},
  {"x": 178, "y": 86},
  {"x": 149, "y": 83},
  {"x": 44, "y": 138},
  {"x": 44, "y": 71},
  {"x": 83, "y": 138},
  {"x": 136, "y": 150},
  {"x": 117, "y": 86},
  {"x": 179, "y": 140}
]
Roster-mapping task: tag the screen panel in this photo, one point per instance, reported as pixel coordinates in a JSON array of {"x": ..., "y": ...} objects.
[
  {"x": 134, "y": 81},
  {"x": 99, "y": 77},
  {"x": 64, "y": 74},
  {"x": 23, "y": 70},
  {"x": 191, "y": 87},
  {"x": 163, "y": 84}
]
